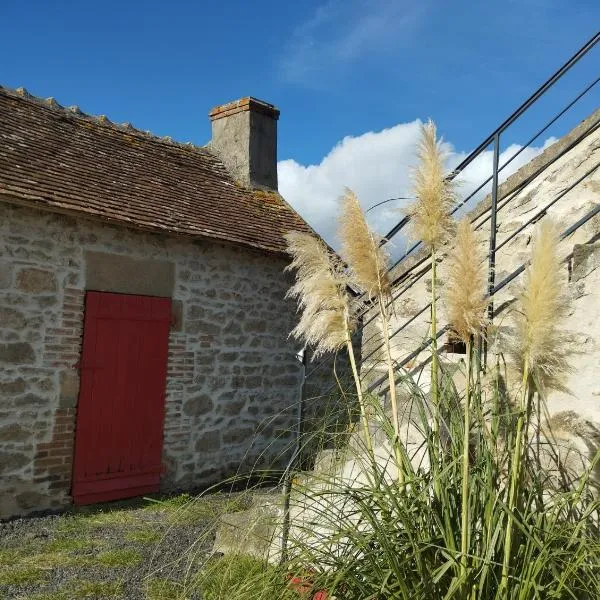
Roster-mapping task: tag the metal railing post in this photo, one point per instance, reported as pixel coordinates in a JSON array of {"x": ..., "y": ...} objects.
[
  {"x": 492, "y": 251},
  {"x": 493, "y": 226}
]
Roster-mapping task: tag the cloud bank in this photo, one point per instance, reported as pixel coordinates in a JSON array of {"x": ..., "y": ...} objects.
[{"x": 377, "y": 166}]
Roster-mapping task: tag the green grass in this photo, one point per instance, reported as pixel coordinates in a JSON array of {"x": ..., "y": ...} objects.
[
  {"x": 83, "y": 589},
  {"x": 53, "y": 560},
  {"x": 164, "y": 589},
  {"x": 144, "y": 536},
  {"x": 119, "y": 558},
  {"x": 77, "y": 540},
  {"x": 9, "y": 557},
  {"x": 22, "y": 576},
  {"x": 65, "y": 543},
  {"x": 243, "y": 578},
  {"x": 188, "y": 510}
]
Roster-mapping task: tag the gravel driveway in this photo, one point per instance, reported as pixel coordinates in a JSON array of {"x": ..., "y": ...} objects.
[{"x": 137, "y": 550}]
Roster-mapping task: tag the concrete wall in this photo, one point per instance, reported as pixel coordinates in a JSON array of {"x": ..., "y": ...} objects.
[
  {"x": 579, "y": 411},
  {"x": 233, "y": 378}
]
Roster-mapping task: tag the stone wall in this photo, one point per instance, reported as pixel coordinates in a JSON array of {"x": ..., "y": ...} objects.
[
  {"x": 528, "y": 192},
  {"x": 233, "y": 377}
]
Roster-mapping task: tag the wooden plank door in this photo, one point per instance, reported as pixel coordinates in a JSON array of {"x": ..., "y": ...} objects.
[{"x": 120, "y": 415}]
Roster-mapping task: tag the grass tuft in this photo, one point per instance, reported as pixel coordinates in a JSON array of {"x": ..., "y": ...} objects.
[
  {"x": 119, "y": 558},
  {"x": 22, "y": 575},
  {"x": 164, "y": 589}
]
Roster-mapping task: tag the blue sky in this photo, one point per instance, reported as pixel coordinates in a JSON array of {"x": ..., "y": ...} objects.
[{"x": 341, "y": 71}]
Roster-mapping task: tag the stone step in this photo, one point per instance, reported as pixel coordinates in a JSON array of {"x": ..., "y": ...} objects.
[{"x": 252, "y": 531}]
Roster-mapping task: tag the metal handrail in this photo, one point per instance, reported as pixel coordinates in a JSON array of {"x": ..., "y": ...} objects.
[
  {"x": 512, "y": 118},
  {"x": 508, "y": 279}
]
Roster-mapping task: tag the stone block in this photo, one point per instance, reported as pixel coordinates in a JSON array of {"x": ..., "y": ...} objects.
[
  {"x": 11, "y": 388},
  {"x": 238, "y": 435},
  {"x": 30, "y": 400},
  {"x": 255, "y": 326},
  {"x": 36, "y": 281},
  {"x": 13, "y": 433},
  {"x": 106, "y": 272},
  {"x": 11, "y": 318},
  {"x": 69, "y": 389},
  {"x": 198, "y": 405},
  {"x": 586, "y": 259},
  {"x": 230, "y": 403},
  {"x": 6, "y": 275},
  {"x": 30, "y": 500},
  {"x": 202, "y": 327},
  {"x": 17, "y": 353},
  {"x": 12, "y": 461},
  {"x": 177, "y": 315},
  {"x": 209, "y": 441}
]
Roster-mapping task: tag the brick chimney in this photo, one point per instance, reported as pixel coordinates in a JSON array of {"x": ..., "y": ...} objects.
[{"x": 244, "y": 135}]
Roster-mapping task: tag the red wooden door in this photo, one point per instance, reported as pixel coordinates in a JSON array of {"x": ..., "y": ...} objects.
[{"x": 119, "y": 433}]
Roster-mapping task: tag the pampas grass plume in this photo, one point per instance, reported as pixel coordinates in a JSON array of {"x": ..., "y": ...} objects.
[
  {"x": 466, "y": 287},
  {"x": 540, "y": 342},
  {"x": 320, "y": 290},
  {"x": 361, "y": 249},
  {"x": 435, "y": 196}
]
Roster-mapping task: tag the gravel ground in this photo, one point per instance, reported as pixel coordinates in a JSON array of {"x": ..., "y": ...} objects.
[{"x": 142, "y": 550}]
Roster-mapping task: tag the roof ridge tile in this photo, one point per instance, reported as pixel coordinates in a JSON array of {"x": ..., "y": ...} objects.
[{"x": 75, "y": 111}]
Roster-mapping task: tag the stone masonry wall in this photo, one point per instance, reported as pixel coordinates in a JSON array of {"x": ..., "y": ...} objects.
[{"x": 233, "y": 378}]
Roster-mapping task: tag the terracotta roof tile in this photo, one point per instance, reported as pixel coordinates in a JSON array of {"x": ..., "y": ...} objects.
[{"x": 61, "y": 159}]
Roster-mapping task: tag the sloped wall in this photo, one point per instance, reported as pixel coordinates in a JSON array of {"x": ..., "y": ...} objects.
[{"x": 528, "y": 193}]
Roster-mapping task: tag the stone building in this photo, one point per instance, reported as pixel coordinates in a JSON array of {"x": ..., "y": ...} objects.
[{"x": 143, "y": 326}]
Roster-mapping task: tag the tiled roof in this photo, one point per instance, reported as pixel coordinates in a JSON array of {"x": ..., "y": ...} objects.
[{"x": 61, "y": 159}]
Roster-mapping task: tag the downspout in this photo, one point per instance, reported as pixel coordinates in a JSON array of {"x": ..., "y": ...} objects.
[{"x": 289, "y": 470}]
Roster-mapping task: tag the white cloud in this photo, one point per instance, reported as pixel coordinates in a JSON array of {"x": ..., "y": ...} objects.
[
  {"x": 376, "y": 165},
  {"x": 340, "y": 32}
]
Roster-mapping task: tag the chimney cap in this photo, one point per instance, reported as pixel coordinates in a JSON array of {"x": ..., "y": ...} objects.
[{"x": 247, "y": 104}]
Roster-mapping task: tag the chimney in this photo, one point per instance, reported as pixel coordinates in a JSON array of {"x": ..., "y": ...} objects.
[{"x": 244, "y": 135}]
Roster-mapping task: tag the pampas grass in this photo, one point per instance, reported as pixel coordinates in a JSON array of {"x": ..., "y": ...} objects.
[
  {"x": 540, "y": 348},
  {"x": 431, "y": 222},
  {"x": 327, "y": 319},
  {"x": 466, "y": 303},
  {"x": 362, "y": 250},
  {"x": 430, "y": 218},
  {"x": 466, "y": 285},
  {"x": 369, "y": 269},
  {"x": 320, "y": 289},
  {"x": 540, "y": 345}
]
